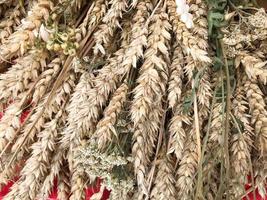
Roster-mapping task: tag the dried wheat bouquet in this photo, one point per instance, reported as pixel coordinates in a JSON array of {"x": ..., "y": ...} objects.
[{"x": 161, "y": 99}]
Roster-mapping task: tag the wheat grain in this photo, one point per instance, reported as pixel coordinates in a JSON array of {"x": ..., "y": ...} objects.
[
  {"x": 93, "y": 16},
  {"x": 255, "y": 67},
  {"x": 242, "y": 141},
  {"x": 204, "y": 92},
  {"x": 11, "y": 20},
  {"x": 22, "y": 74},
  {"x": 215, "y": 140},
  {"x": 77, "y": 117},
  {"x": 10, "y": 173},
  {"x": 55, "y": 167},
  {"x": 78, "y": 181},
  {"x": 139, "y": 34},
  {"x": 37, "y": 120},
  {"x": 47, "y": 77},
  {"x": 194, "y": 41},
  {"x": 9, "y": 124}
]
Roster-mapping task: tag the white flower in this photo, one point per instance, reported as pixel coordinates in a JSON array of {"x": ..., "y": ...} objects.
[
  {"x": 183, "y": 11},
  {"x": 44, "y": 34},
  {"x": 187, "y": 18}
]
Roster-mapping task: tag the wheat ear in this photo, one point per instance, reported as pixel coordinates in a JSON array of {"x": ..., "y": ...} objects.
[
  {"x": 164, "y": 184},
  {"x": 11, "y": 20},
  {"x": 258, "y": 115},
  {"x": 188, "y": 167},
  {"x": 63, "y": 183},
  {"x": 109, "y": 25},
  {"x": 147, "y": 105},
  {"x": 105, "y": 128}
]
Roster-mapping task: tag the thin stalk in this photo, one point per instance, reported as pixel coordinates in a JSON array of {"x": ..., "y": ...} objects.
[
  {"x": 223, "y": 114},
  {"x": 197, "y": 125},
  {"x": 199, "y": 190},
  {"x": 227, "y": 119}
]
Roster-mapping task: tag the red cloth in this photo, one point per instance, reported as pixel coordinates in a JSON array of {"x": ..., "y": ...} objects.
[{"x": 53, "y": 196}]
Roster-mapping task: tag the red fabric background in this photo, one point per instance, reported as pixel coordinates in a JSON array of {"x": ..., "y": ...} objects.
[{"x": 91, "y": 190}]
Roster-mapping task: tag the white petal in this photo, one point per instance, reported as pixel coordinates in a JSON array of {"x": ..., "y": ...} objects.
[
  {"x": 189, "y": 24},
  {"x": 179, "y": 10},
  {"x": 184, "y": 17},
  {"x": 44, "y": 34},
  {"x": 186, "y": 8}
]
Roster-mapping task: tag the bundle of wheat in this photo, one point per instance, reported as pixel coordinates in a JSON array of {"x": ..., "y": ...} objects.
[{"x": 161, "y": 99}]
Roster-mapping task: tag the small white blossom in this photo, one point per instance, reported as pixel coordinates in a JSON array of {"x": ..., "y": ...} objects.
[
  {"x": 183, "y": 11},
  {"x": 44, "y": 34}
]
